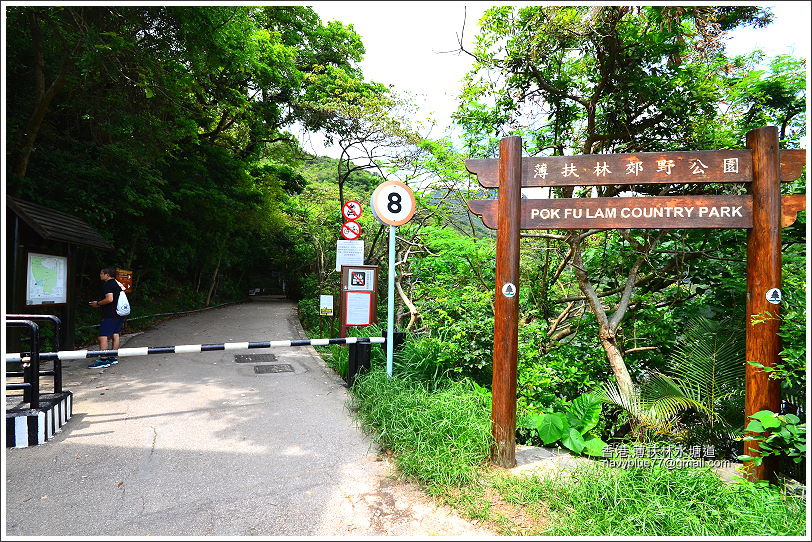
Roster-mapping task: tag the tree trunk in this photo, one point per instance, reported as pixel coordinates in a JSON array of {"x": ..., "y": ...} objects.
[
  {"x": 607, "y": 328},
  {"x": 408, "y": 302},
  {"x": 616, "y": 362}
]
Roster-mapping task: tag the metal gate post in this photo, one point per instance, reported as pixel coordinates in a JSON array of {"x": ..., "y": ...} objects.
[
  {"x": 31, "y": 374},
  {"x": 57, "y": 371},
  {"x": 358, "y": 359}
]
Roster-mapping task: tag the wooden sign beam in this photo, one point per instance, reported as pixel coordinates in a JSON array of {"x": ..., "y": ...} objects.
[
  {"x": 725, "y": 166},
  {"x": 660, "y": 212}
]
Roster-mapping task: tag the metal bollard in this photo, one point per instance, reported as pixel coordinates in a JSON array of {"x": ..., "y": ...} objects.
[
  {"x": 358, "y": 360},
  {"x": 399, "y": 338}
]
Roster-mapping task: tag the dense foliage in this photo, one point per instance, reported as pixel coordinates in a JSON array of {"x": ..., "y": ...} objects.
[{"x": 155, "y": 124}]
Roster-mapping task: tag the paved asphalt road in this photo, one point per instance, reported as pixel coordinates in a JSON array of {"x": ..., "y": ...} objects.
[{"x": 198, "y": 445}]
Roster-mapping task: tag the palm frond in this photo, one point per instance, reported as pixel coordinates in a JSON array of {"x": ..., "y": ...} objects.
[
  {"x": 709, "y": 361},
  {"x": 668, "y": 397}
]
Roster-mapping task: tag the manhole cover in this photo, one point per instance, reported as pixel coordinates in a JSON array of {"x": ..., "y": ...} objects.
[
  {"x": 254, "y": 358},
  {"x": 279, "y": 368}
]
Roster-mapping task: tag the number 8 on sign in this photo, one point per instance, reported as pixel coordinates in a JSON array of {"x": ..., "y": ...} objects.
[{"x": 393, "y": 203}]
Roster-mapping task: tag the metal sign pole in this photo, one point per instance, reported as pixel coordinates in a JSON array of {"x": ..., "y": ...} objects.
[{"x": 390, "y": 309}]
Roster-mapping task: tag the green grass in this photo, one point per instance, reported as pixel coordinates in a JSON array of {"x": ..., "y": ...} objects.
[
  {"x": 598, "y": 500},
  {"x": 440, "y": 437}
]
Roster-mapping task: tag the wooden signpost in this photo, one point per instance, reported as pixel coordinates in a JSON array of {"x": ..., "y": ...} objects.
[{"x": 763, "y": 211}]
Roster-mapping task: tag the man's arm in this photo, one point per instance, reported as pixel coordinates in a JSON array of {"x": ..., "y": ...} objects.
[{"x": 108, "y": 298}]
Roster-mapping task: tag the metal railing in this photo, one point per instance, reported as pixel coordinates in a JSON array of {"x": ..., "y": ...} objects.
[
  {"x": 30, "y": 372},
  {"x": 56, "y": 372}
]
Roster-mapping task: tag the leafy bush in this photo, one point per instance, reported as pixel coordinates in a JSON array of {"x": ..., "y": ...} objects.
[
  {"x": 572, "y": 427},
  {"x": 550, "y": 380},
  {"x": 777, "y": 435}
]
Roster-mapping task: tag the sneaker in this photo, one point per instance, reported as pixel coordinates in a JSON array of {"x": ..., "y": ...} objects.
[
  {"x": 99, "y": 364},
  {"x": 112, "y": 361}
]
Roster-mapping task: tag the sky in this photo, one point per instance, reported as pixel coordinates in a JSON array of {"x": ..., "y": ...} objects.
[{"x": 411, "y": 45}]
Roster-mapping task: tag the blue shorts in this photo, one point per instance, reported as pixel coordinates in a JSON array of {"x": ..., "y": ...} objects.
[{"x": 110, "y": 326}]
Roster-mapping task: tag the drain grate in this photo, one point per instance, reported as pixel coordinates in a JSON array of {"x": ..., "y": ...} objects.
[
  {"x": 254, "y": 358},
  {"x": 279, "y": 368}
]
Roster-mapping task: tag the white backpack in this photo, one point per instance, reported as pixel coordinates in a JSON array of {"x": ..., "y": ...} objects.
[{"x": 123, "y": 305}]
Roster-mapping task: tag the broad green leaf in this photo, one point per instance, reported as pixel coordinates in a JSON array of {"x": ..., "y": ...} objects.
[
  {"x": 594, "y": 446},
  {"x": 792, "y": 418},
  {"x": 762, "y": 414},
  {"x": 754, "y": 426},
  {"x": 769, "y": 422},
  {"x": 574, "y": 441},
  {"x": 584, "y": 412},
  {"x": 550, "y": 428},
  {"x": 529, "y": 422}
]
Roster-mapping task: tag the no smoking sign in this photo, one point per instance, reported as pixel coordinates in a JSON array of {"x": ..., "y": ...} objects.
[{"x": 351, "y": 230}]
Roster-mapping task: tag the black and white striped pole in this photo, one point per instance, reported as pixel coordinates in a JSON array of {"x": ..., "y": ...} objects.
[{"x": 188, "y": 348}]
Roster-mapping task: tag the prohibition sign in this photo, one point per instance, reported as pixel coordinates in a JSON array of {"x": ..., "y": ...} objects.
[
  {"x": 351, "y": 210},
  {"x": 351, "y": 230}
]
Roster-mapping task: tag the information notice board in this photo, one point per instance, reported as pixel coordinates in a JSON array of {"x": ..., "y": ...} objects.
[{"x": 359, "y": 297}]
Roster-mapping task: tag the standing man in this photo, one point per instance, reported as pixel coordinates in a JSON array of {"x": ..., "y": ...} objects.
[{"x": 111, "y": 322}]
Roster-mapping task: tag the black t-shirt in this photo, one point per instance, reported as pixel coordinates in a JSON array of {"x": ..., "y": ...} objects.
[{"x": 109, "y": 309}]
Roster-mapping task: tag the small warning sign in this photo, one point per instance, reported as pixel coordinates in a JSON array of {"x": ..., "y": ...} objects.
[{"x": 358, "y": 278}]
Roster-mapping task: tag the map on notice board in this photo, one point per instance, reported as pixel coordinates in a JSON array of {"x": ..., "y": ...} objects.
[{"x": 47, "y": 278}]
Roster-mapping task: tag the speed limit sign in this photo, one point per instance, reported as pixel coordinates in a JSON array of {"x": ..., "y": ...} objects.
[{"x": 393, "y": 203}]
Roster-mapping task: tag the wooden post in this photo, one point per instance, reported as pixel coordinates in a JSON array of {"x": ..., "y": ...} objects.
[
  {"x": 763, "y": 274},
  {"x": 506, "y": 304}
]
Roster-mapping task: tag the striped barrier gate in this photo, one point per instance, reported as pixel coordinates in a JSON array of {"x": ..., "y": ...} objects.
[
  {"x": 35, "y": 425},
  {"x": 188, "y": 348}
]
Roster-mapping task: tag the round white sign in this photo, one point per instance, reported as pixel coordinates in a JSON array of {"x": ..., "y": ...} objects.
[
  {"x": 509, "y": 289},
  {"x": 393, "y": 203},
  {"x": 774, "y": 296}
]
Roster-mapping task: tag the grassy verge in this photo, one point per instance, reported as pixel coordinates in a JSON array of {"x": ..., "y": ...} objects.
[
  {"x": 441, "y": 438},
  {"x": 599, "y": 501},
  {"x": 439, "y": 435}
]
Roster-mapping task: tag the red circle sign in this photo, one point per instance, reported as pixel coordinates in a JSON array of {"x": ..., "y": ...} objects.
[
  {"x": 351, "y": 210},
  {"x": 351, "y": 230}
]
